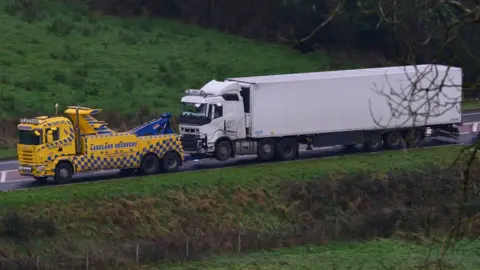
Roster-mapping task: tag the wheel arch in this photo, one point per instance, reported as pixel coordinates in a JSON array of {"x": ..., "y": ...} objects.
[
  {"x": 66, "y": 161},
  {"x": 176, "y": 153},
  {"x": 227, "y": 139},
  {"x": 149, "y": 153}
]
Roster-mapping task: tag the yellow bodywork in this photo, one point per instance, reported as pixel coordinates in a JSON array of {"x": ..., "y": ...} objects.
[{"x": 98, "y": 151}]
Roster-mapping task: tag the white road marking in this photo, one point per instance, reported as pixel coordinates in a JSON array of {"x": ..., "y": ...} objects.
[
  {"x": 7, "y": 171},
  {"x": 475, "y": 127},
  {"x": 9, "y": 162},
  {"x": 18, "y": 180},
  {"x": 3, "y": 177}
]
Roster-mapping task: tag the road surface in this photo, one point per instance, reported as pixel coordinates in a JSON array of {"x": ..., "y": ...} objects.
[{"x": 11, "y": 180}]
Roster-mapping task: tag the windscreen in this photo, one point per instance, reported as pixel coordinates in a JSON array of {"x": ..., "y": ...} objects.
[
  {"x": 28, "y": 137},
  {"x": 194, "y": 114},
  {"x": 194, "y": 109}
]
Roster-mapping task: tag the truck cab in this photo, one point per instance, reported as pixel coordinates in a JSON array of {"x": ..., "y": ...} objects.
[
  {"x": 41, "y": 139},
  {"x": 213, "y": 120}
]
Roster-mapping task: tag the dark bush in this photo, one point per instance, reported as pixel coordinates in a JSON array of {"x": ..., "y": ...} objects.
[{"x": 24, "y": 227}]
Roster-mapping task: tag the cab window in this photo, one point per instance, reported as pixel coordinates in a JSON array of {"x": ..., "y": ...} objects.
[
  {"x": 55, "y": 133},
  {"x": 218, "y": 112}
]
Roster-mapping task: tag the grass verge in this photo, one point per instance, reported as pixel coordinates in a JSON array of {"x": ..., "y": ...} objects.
[
  {"x": 378, "y": 254},
  {"x": 246, "y": 177},
  {"x": 234, "y": 209},
  {"x": 471, "y": 105},
  {"x": 8, "y": 153}
]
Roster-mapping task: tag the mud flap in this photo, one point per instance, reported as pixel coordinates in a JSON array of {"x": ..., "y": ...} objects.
[{"x": 449, "y": 132}]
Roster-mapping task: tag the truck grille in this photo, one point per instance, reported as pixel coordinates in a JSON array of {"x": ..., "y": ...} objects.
[
  {"x": 189, "y": 142},
  {"x": 25, "y": 156}
]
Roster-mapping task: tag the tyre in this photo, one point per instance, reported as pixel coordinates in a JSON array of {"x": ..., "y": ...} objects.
[
  {"x": 287, "y": 149},
  {"x": 223, "y": 150},
  {"x": 171, "y": 162},
  {"x": 414, "y": 137},
  {"x": 150, "y": 164},
  {"x": 266, "y": 149},
  {"x": 41, "y": 180},
  {"x": 373, "y": 144},
  {"x": 63, "y": 173},
  {"x": 393, "y": 140}
]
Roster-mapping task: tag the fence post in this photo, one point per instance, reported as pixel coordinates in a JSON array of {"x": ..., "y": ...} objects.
[
  {"x": 239, "y": 242},
  {"x": 137, "y": 253},
  {"x": 187, "y": 251},
  {"x": 86, "y": 261},
  {"x": 38, "y": 262}
]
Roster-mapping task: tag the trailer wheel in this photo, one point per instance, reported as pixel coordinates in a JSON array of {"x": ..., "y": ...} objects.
[
  {"x": 373, "y": 144},
  {"x": 223, "y": 150},
  {"x": 150, "y": 164},
  {"x": 266, "y": 149},
  {"x": 63, "y": 173},
  {"x": 393, "y": 140},
  {"x": 171, "y": 162},
  {"x": 287, "y": 149},
  {"x": 414, "y": 137}
]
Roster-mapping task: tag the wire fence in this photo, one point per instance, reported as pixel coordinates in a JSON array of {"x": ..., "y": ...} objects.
[{"x": 142, "y": 252}]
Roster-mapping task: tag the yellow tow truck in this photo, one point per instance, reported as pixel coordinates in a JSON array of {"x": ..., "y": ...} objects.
[{"x": 59, "y": 147}]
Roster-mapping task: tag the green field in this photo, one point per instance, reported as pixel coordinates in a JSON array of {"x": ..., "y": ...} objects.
[
  {"x": 381, "y": 254},
  {"x": 57, "y": 52},
  {"x": 213, "y": 208}
]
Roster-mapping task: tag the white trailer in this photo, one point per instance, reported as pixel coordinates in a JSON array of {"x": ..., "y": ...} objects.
[{"x": 271, "y": 115}]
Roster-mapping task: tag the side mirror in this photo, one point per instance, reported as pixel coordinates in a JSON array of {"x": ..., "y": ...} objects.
[{"x": 36, "y": 133}]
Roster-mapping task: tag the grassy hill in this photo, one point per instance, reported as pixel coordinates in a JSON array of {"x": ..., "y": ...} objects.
[{"x": 53, "y": 52}]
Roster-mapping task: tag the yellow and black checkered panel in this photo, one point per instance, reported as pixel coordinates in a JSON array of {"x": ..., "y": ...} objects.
[
  {"x": 159, "y": 145},
  {"x": 88, "y": 163},
  {"x": 162, "y": 145}
]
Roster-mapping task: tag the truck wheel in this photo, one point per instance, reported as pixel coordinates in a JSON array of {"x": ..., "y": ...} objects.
[
  {"x": 393, "y": 140},
  {"x": 414, "y": 137},
  {"x": 266, "y": 149},
  {"x": 287, "y": 149},
  {"x": 150, "y": 164},
  {"x": 223, "y": 150},
  {"x": 63, "y": 173},
  {"x": 41, "y": 180},
  {"x": 373, "y": 144},
  {"x": 171, "y": 162}
]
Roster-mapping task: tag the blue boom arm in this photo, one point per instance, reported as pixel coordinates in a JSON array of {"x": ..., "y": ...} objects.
[{"x": 157, "y": 126}]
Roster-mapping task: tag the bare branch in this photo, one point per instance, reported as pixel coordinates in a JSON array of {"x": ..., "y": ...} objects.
[{"x": 337, "y": 11}]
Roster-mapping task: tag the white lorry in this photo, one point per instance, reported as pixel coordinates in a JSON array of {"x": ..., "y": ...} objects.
[{"x": 271, "y": 115}]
